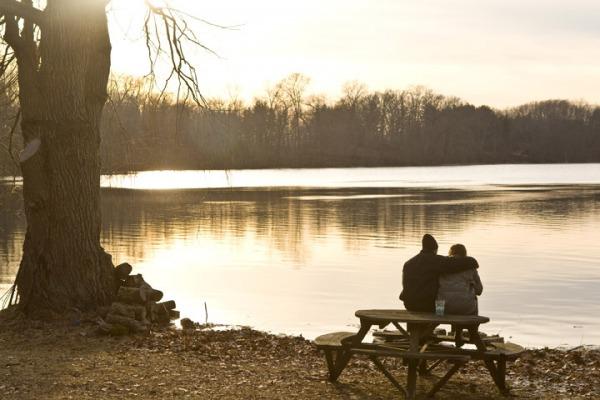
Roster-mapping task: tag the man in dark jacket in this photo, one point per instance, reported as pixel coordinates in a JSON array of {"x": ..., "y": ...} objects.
[{"x": 421, "y": 273}]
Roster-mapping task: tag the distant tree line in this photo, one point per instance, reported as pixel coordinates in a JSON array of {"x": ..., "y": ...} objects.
[{"x": 287, "y": 127}]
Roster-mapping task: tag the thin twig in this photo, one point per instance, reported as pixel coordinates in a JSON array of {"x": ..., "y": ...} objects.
[{"x": 171, "y": 24}]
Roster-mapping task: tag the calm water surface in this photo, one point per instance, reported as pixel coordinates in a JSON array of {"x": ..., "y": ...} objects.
[{"x": 302, "y": 259}]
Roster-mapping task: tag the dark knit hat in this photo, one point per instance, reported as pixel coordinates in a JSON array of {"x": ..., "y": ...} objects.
[{"x": 429, "y": 242}]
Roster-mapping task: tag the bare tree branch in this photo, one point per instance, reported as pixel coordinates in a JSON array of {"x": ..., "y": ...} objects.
[
  {"x": 22, "y": 10},
  {"x": 11, "y": 32},
  {"x": 188, "y": 15},
  {"x": 6, "y": 60},
  {"x": 171, "y": 25}
]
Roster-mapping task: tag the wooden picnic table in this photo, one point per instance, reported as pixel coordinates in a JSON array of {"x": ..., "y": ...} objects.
[{"x": 419, "y": 345}]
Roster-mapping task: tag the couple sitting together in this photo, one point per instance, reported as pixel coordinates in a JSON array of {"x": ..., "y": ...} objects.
[{"x": 428, "y": 277}]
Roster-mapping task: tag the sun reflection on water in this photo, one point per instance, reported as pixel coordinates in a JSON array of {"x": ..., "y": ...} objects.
[
  {"x": 456, "y": 176},
  {"x": 302, "y": 260}
]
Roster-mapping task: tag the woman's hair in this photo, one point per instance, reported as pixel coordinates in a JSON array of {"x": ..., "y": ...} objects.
[{"x": 458, "y": 250}]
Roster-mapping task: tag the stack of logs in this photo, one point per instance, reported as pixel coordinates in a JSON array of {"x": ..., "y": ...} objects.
[{"x": 137, "y": 304}]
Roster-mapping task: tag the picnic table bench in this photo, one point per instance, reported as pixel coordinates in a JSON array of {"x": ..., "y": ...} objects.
[{"x": 416, "y": 344}]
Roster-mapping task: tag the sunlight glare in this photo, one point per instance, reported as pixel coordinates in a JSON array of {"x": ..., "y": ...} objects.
[
  {"x": 458, "y": 176},
  {"x": 131, "y": 8},
  {"x": 386, "y": 44}
]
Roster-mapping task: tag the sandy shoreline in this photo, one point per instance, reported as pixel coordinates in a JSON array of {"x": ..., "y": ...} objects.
[{"x": 58, "y": 361}]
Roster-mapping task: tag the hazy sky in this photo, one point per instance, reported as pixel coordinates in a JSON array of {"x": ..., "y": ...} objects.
[{"x": 497, "y": 52}]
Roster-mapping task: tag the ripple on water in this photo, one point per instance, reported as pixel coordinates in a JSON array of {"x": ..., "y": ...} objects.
[{"x": 303, "y": 260}]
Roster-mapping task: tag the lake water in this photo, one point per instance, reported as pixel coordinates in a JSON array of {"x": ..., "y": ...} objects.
[{"x": 298, "y": 251}]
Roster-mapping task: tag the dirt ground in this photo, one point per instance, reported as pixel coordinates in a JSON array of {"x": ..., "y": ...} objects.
[{"x": 57, "y": 361}]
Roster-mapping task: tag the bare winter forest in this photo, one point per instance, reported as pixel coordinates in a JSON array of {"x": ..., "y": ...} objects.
[{"x": 288, "y": 127}]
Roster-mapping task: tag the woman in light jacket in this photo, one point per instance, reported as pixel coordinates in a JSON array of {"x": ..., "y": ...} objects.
[{"x": 460, "y": 290}]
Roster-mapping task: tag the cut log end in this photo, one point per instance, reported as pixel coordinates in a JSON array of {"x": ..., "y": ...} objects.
[
  {"x": 137, "y": 312},
  {"x": 137, "y": 301},
  {"x": 131, "y": 295},
  {"x": 130, "y": 323},
  {"x": 169, "y": 305},
  {"x": 137, "y": 281},
  {"x": 122, "y": 271},
  {"x": 187, "y": 324},
  {"x": 154, "y": 295},
  {"x": 134, "y": 280}
]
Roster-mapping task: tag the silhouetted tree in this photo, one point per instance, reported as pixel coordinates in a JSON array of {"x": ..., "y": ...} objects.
[{"x": 62, "y": 53}]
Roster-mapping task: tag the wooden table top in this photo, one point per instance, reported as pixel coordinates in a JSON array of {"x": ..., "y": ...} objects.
[{"x": 386, "y": 316}]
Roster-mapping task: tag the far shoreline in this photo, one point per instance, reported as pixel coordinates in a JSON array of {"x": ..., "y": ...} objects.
[
  {"x": 7, "y": 177},
  {"x": 330, "y": 167}
]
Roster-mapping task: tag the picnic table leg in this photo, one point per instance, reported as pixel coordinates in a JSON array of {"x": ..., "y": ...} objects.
[
  {"x": 498, "y": 373},
  {"x": 445, "y": 379},
  {"x": 415, "y": 332},
  {"x": 400, "y": 328},
  {"x": 423, "y": 368},
  {"x": 432, "y": 367},
  {"x": 502, "y": 376},
  {"x": 411, "y": 383},
  {"x": 330, "y": 363},
  {"x": 343, "y": 356},
  {"x": 387, "y": 374}
]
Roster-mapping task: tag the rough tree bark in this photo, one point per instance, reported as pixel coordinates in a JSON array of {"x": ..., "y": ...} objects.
[
  {"x": 62, "y": 82},
  {"x": 63, "y": 75}
]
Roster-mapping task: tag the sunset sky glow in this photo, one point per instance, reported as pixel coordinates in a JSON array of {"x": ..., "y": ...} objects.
[{"x": 497, "y": 52}]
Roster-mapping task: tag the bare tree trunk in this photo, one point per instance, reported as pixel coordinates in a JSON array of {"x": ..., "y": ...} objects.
[{"x": 62, "y": 94}]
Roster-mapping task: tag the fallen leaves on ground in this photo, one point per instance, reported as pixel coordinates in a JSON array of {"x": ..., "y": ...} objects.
[{"x": 50, "y": 361}]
